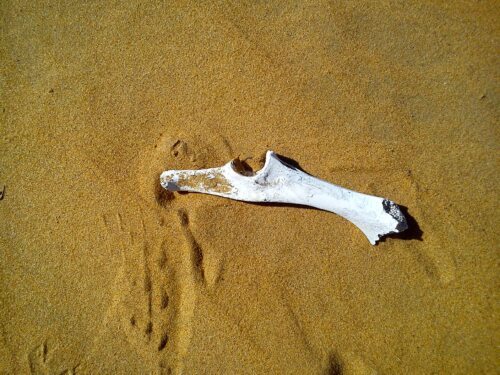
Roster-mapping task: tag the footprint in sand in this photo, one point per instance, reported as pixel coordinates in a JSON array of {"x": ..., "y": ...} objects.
[
  {"x": 164, "y": 266},
  {"x": 40, "y": 362}
]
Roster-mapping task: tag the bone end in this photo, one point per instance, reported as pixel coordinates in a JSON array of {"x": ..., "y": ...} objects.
[
  {"x": 393, "y": 209},
  {"x": 398, "y": 222},
  {"x": 169, "y": 180}
]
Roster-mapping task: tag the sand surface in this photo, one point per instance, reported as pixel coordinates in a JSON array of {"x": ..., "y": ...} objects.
[{"x": 103, "y": 273}]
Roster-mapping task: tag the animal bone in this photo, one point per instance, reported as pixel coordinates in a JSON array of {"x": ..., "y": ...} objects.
[{"x": 279, "y": 182}]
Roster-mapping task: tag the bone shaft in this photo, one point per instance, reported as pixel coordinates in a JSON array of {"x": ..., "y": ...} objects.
[
  {"x": 340, "y": 200},
  {"x": 360, "y": 209}
]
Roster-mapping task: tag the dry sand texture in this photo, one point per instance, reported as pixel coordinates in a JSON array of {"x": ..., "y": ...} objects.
[{"x": 102, "y": 272}]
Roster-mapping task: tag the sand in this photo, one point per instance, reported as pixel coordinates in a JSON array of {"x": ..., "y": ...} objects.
[{"x": 103, "y": 273}]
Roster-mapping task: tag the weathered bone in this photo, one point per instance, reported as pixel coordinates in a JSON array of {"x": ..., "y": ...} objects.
[{"x": 279, "y": 182}]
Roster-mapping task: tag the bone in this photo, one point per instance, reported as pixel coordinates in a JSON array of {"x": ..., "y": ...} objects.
[{"x": 279, "y": 182}]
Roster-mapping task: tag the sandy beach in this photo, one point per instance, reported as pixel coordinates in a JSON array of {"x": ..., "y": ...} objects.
[{"x": 104, "y": 272}]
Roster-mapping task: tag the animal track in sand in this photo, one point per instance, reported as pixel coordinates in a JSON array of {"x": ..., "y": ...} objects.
[
  {"x": 148, "y": 306},
  {"x": 349, "y": 363},
  {"x": 164, "y": 269},
  {"x": 39, "y": 361}
]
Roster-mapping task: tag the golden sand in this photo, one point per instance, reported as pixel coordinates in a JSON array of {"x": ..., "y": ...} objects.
[{"x": 103, "y": 272}]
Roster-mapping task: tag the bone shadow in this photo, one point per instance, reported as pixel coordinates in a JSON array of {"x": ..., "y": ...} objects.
[
  {"x": 413, "y": 232},
  {"x": 291, "y": 162}
]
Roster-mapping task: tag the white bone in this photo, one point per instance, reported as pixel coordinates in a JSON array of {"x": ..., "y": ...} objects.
[{"x": 279, "y": 182}]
